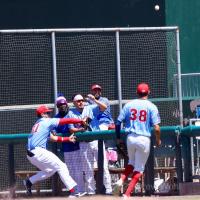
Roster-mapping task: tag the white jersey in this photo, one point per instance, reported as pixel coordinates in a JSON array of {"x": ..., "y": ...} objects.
[{"x": 139, "y": 115}]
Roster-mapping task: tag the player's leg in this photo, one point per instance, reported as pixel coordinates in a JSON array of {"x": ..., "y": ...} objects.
[
  {"x": 36, "y": 159},
  {"x": 130, "y": 167},
  {"x": 88, "y": 167},
  {"x": 135, "y": 178},
  {"x": 50, "y": 162},
  {"x": 131, "y": 155},
  {"x": 107, "y": 176},
  {"x": 75, "y": 168},
  {"x": 106, "y": 173},
  {"x": 141, "y": 155}
]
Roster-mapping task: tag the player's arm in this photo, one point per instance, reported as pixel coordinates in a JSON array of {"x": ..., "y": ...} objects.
[
  {"x": 157, "y": 134},
  {"x": 101, "y": 105},
  {"x": 155, "y": 121},
  {"x": 120, "y": 119},
  {"x": 76, "y": 130},
  {"x": 55, "y": 138},
  {"x": 64, "y": 121}
]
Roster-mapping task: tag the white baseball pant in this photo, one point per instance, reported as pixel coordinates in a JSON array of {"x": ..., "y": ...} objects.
[
  {"x": 87, "y": 162},
  {"x": 73, "y": 162},
  {"x": 138, "y": 147},
  {"x": 49, "y": 163},
  {"x": 107, "y": 176}
]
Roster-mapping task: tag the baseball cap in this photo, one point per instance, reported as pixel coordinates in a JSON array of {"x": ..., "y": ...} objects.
[
  {"x": 95, "y": 86},
  {"x": 42, "y": 109},
  {"x": 142, "y": 88},
  {"x": 61, "y": 101},
  {"x": 78, "y": 97}
]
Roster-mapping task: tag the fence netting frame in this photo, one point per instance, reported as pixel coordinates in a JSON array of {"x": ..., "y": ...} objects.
[{"x": 56, "y": 81}]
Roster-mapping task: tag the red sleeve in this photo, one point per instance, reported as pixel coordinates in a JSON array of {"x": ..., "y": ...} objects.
[
  {"x": 64, "y": 121},
  {"x": 62, "y": 139}
]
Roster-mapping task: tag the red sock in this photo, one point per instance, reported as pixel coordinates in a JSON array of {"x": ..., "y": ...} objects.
[
  {"x": 128, "y": 170},
  {"x": 134, "y": 180},
  {"x": 72, "y": 190}
]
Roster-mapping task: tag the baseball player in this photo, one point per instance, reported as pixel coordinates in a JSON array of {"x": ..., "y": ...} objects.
[
  {"x": 105, "y": 118},
  {"x": 89, "y": 150},
  {"x": 71, "y": 150},
  {"x": 139, "y": 115},
  {"x": 105, "y": 122},
  {"x": 38, "y": 154}
]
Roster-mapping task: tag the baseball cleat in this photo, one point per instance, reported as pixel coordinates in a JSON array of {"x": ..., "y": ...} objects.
[
  {"x": 75, "y": 194},
  {"x": 125, "y": 197},
  {"x": 72, "y": 196},
  {"x": 81, "y": 194},
  {"x": 28, "y": 185}
]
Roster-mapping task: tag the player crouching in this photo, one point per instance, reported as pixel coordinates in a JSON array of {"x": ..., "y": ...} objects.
[{"x": 43, "y": 159}]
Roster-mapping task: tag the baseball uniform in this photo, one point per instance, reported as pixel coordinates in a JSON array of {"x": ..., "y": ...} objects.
[{"x": 43, "y": 159}]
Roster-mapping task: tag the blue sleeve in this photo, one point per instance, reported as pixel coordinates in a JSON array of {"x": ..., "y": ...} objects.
[
  {"x": 155, "y": 116},
  {"x": 122, "y": 114},
  {"x": 117, "y": 129}
]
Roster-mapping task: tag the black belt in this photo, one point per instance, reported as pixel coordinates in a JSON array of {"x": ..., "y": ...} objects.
[{"x": 30, "y": 154}]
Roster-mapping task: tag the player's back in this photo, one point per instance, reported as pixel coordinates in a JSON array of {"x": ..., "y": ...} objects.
[{"x": 139, "y": 115}]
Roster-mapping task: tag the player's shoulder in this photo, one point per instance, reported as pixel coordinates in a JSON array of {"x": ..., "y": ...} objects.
[
  {"x": 50, "y": 121},
  {"x": 104, "y": 98},
  {"x": 131, "y": 102},
  {"x": 72, "y": 111},
  {"x": 128, "y": 105},
  {"x": 90, "y": 107}
]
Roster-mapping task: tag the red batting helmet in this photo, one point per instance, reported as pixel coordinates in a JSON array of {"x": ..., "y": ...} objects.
[
  {"x": 142, "y": 88},
  {"x": 95, "y": 86},
  {"x": 42, "y": 109}
]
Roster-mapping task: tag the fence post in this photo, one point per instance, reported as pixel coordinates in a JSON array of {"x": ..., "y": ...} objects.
[
  {"x": 118, "y": 71},
  {"x": 187, "y": 158},
  {"x": 54, "y": 145},
  {"x": 100, "y": 172},
  {"x": 11, "y": 169},
  {"x": 149, "y": 171},
  {"x": 179, "y": 159}
]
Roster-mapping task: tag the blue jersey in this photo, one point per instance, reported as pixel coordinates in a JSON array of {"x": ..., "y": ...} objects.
[
  {"x": 66, "y": 146},
  {"x": 91, "y": 111},
  {"x": 41, "y": 131},
  {"x": 105, "y": 116},
  {"x": 139, "y": 116},
  {"x": 74, "y": 113}
]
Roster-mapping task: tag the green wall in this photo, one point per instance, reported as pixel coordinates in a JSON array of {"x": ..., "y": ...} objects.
[
  {"x": 15, "y": 14},
  {"x": 186, "y": 14}
]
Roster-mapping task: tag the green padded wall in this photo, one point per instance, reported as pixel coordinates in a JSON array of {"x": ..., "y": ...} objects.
[{"x": 186, "y": 14}]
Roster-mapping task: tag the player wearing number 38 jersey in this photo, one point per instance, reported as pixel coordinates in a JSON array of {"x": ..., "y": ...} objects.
[{"x": 139, "y": 116}]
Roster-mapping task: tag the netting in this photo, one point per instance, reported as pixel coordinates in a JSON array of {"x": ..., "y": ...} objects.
[
  {"x": 190, "y": 85},
  {"x": 26, "y": 69},
  {"x": 82, "y": 58}
]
